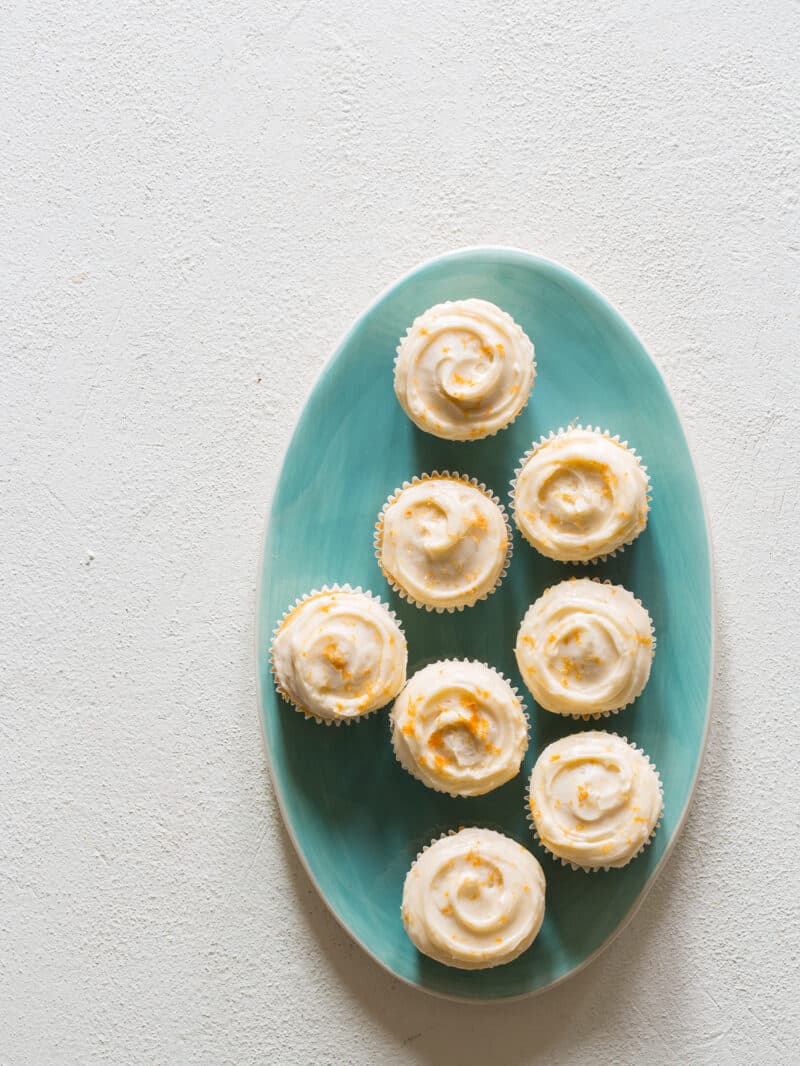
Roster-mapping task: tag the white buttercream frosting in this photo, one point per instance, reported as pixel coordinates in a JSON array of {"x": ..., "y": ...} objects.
[
  {"x": 579, "y": 495},
  {"x": 464, "y": 370},
  {"x": 585, "y": 647},
  {"x": 474, "y": 900},
  {"x": 339, "y": 654},
  {"x": 595, "y": 800},
  {"x": 460, "y": 728},
  {"x": 443, "y": 542}
]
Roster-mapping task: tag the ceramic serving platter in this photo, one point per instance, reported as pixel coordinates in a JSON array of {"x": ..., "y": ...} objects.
[{"x": 356, "y": 818}]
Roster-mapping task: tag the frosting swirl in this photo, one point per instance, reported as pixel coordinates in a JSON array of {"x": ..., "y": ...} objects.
[
  {"x": 459, "y": 727},
  {"x": 464, "y": 370},
  {"x": 595, "y": 799},
  {"x": 474, "y": 900},
  {"x": 443, "y": 542},
  {"x": 579, "y": 495},
  {"x": 585, "y": 648},
  {"x": 339, "y": 654}
]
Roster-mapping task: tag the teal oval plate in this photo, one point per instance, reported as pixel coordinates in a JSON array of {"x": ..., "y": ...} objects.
[{"x": 356, "y": 818}]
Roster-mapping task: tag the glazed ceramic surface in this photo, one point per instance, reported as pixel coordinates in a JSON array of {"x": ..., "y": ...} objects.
[{"x": 356, "y": 818}]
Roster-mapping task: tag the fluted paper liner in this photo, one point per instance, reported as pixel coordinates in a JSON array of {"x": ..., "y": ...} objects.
[
  {"x": 484, "y": 436},
  {"x": 547, "y": 439},
  {"x": 411, "y": 769},
  {"x": 597, "y": 715},
  {"x": 335, "y": 587},
  {"x": 598, "y": 869},
  {"x": 444, "y": 475}
]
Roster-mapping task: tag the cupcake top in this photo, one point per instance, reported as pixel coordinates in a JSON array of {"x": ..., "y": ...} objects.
[
  {"x": 474, "y": 900},
  {"x": 460, "y": 727},
  {"x": 443, "y": 541},
  {"x": 595, "y": 799},
  {"x": 585, "y": 647},
  {"x": 339, "y": 654},
  {"x": 464, "y": 370},
  {"x": 580, "y": 495}
]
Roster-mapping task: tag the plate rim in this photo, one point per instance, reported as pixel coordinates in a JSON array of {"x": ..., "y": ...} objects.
[{"x": 530, "y": 258}]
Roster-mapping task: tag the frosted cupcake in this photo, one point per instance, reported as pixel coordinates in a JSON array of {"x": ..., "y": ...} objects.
[
  {"x": 459, "y": 727},
  {"x": 443, "y": 541},
  {"x": 339, "y": 654},
  {"x": 580, "y": 495},
  {"x": 595, "y": 800},
  {"x": 464, "y": 370},
  {"x": 474, "y": 900},
  {"x": 584, "y": 648}
]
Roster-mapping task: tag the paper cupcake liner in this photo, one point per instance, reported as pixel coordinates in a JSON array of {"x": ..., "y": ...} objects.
[
  {"x": 598, "y": 869},
  {"x": 494, "y": 432},
  {"x": 335, "y": 587},
  {"x": 546, "y": 439},
  {"x": 417, "y": 480},
  {"x": 411, "y": 768},
  {"x": 596, "y": 715}
]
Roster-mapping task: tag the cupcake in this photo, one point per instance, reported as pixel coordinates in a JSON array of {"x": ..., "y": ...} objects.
[
  {"x": 464, "y": 370},
  {"x": 473, "y": 900},
  {"x": 459, "y": 727},
  {"x": 580, "y": 495},
  {"x": 443, "y": 541},
  {"x": 584, "y": 648},
  {"x": 595, "y": 800},
  {"x": 339, "y": 654}
]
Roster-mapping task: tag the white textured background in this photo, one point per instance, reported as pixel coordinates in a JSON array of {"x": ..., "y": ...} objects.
[{"x": 197, "y": 200}]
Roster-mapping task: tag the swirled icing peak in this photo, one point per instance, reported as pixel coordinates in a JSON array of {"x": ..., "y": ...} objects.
[
  {"x": 579, "y": 495},
  {"x": 459, "y": 727},
  {"x": 595, "y": 799},
  {"x": 443, "y": 542},
  {"x": 585, "y": 647},
  {"x": 474, "y": 900},
  {"x": 464, "y": 370},
  {"x": 339, "y": 654}
]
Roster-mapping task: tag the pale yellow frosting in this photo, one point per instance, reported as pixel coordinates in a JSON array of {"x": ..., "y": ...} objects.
[
  {"x": 339, "y": 655},
  {"x": 585, "y": 647},
  {"x": 579, "y": 495},
  {"x": 464, "y": 370},
  {"x": 474, "y": 900},
  {"x": 595, "y": 799},
  {"x": 443, "y": 542},
  {"x": 460, "y": 728}
]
